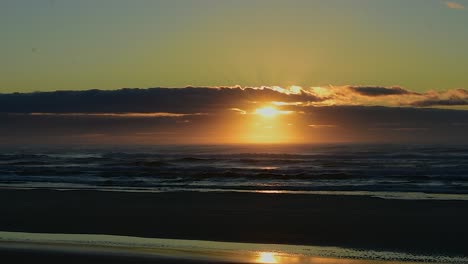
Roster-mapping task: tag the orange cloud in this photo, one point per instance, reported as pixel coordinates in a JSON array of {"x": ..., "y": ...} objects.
[{"x": 454, "y": 5}]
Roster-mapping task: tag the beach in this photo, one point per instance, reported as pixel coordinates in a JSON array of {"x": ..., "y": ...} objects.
[
  {"x": 15, "y": 255},
  {"x": 241, "y": 132},
  {"x": 428, "y": 227}
]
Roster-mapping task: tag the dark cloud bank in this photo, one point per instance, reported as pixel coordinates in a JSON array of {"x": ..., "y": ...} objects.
[
  {"x": 202, "y": 115},
  {"x": 175, "y": 100},
  {"x": 380, "y": 91}
]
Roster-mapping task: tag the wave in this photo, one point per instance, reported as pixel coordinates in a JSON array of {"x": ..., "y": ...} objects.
[{"x": 360, "y": 168}]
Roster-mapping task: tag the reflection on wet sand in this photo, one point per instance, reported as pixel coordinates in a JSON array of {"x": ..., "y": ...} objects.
[
  {"x": 267, "y": 257},
  {"x": 207, "y": 251},
  {"x": 283, "y": 258}
]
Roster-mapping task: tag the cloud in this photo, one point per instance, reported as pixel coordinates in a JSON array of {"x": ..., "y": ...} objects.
[
  {"x": 177, "y": 102},
  {"x": 389, "y": 96},
  {"x": 379, "y": 91},
  {"x": 363, "y": 95},
  {"x": 220, "y": 114},
  {"x": 455, "y": 97},
  {"x": 243, "y": 112},
  {"x": 454, "y": 5},
  {"x": 336, "y": 123},
  {"x": 322, "y": 126},
  {"x": 441, "y": 102},
  {"x": 168, "y": 100},
  {"x": 127, "y": 115}
]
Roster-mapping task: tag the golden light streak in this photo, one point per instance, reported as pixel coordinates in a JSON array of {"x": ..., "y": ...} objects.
[
  {"x": 287, "y": 103},
  {"x": 322, "y": 126}
]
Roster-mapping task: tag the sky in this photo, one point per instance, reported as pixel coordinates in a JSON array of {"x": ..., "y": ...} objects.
[
  {"x": 50, "y": 45},
  {"x": 244, "y": 71}
]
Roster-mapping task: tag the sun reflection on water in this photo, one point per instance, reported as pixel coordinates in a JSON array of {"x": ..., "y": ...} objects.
[{"x": 267, "y": 257}]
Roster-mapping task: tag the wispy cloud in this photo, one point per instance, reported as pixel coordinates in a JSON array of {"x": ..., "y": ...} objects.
[
  {"x": 388, "y": 96},
  {"x": 243, "y": 112},
  {"x": 322, "y": 126},
  {"x": 454, "y": 5},
  {"x": 379, "y": 91},
  {"x": 160, "y": 114}
]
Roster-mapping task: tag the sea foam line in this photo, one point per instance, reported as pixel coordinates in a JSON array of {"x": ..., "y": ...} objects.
[{"x": 375, "y": 194}]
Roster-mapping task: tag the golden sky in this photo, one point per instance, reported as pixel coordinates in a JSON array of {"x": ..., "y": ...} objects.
[{"x": 110, "y": 44}]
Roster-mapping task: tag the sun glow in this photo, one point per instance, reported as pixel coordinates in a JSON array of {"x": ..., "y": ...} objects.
[
  {"x": 267, "y": 257},
  {"x": 270, "y": 111},
  {"x": 268, "y": 124}
]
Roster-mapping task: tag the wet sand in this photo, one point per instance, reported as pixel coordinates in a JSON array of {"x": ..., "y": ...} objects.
[
  {"x": 423, "y": 226},
  {"x": 51, "y": 257}
]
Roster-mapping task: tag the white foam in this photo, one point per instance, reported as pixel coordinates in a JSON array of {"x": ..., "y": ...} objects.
[{"x": 377, "y": 194}]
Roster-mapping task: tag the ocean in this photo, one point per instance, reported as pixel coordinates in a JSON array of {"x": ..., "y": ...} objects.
[{"x": 387, "y": 171}]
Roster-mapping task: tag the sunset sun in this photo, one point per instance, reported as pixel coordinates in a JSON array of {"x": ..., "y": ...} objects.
[{"x": 270, "y": 111}]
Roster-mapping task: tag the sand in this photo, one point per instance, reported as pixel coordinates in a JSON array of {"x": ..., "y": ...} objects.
[{"x": 421, "y": 227}]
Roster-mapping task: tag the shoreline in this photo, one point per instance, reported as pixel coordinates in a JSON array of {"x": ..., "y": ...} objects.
[
  {"x": 200, "y": 251},
  {"x": 403, "y": 195},
  {"x": 427, "y": 227}
]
